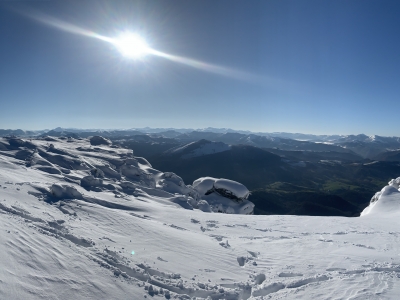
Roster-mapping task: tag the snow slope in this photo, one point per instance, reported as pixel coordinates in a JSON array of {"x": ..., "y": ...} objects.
[
  {"x": 59, "y": 240},
  {"x": 385, "y": 202},
  {"x": 107, "y": 169}
]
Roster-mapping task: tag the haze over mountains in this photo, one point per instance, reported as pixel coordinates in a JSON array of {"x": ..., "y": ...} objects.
[{"x": 361, "y": 144}]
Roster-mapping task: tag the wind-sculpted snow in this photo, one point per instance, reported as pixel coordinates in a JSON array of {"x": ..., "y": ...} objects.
[
  {"x": 97, "y": 166},
  {"x": 386, "y": 201},
  {"x": 224, "y": 195},
  {"x": 99, "y": 140},
  {"x": 91, "y": 232},
  {"x": 207, "y": 185}
]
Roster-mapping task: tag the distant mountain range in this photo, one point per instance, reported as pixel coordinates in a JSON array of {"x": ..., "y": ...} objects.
[{"x": 371, "y": 147}]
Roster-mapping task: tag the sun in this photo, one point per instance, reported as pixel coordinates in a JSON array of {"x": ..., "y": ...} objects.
[{"x": 131, "y": 45}]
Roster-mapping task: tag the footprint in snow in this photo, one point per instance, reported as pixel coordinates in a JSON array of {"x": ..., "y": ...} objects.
[
  {"x": 204, "y": 229},
  {"x": 176, "y": 227},
  {"x": 289, "y": 274},
  {"x": 259, "y": 278},
  {"x": 241, "y": 260},
  {"x": 364, "y": 246},
  {"x": 225, "y": 244},
  {"x": 254, "y": 254},
  {"x": 160, "y": 259},
  {"x": 219, "y": 238}
]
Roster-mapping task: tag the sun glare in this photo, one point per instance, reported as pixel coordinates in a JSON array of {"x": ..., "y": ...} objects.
[{"x": 131, "y": 45}]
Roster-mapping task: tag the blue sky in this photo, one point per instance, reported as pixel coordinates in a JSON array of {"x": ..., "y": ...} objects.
[{"x": 322, "y": 67}]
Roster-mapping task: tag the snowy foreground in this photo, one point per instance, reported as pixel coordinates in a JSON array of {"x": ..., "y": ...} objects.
[{"x": 91, "y": 222}]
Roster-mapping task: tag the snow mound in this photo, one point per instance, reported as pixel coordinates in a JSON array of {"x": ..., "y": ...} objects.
[
  {"x": 204, "y": 206},
  {"x": 225, "y": 187},
  {"x": 386, "y": 201},
  {"x": 98, "y": 173},
  {"x": 99, "y": 140},
  {"x": 172, "y": 183},
  {"x": 232, "y": 189},
  {"x": 224, "y": 195},
  {"x": 63, "y": 191},
  {"x": 91, "y": 181}
]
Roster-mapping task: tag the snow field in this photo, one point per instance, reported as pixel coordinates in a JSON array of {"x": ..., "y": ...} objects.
[{"x": 60, "y": 240}]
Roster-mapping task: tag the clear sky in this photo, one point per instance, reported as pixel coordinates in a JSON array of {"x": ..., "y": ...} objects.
[{"x": 322, "y": 67}]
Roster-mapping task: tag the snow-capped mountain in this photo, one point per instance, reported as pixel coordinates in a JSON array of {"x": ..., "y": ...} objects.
[
  {"x": 19, "y": 132},
  {"x": 361, "y": 144},
  {"x": 368, "y": 146}
]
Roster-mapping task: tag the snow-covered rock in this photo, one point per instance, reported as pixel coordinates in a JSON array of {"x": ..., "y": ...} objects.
[
  {"x": 172, "y": 183},
  {"x": 98, "y": 173},
  {"x": 386, "y": 201},
  {"x": 223, "y": 195},
  {"x": 64, "y": 191},
  {"x": 225, "y": 187},
  {"x": 231, "y": 189},
  {"x": 204, "y": 184},
  {"x": 204, "y": 206},
  {"x": 91, "y": 181},
  {"x": 99, "y": 140}
]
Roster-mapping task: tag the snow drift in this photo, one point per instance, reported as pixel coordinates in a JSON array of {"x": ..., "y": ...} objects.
[{"x": 386, "y": 201}]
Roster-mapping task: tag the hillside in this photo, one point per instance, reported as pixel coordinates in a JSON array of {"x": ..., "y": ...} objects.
[
  {"x": 242, "y": 163},
  {"x": 329, "y": 177}
]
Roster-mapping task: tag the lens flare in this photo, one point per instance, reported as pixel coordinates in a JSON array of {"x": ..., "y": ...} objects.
[
  {"x": 133, "y": 252},
  {"x": 131, "y": 45},
  {"x": 211, "y": 68}
]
